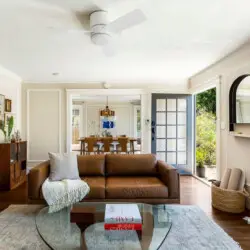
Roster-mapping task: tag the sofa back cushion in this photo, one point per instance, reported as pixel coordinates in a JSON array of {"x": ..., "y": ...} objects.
[
  {"x": 131, "y": 165},
  {"x": 91, "y": 165}
]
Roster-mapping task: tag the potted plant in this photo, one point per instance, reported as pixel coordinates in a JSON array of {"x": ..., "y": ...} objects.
[
  {"x": 7, "y": 130},
  {"x": 200, "y": 158}
]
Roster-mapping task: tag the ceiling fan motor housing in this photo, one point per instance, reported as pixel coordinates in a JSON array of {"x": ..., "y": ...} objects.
[{"x": 98, "y": 26}]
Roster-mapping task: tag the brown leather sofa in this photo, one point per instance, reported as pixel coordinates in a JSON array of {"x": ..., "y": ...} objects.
[{"x": 112, "y": 178}]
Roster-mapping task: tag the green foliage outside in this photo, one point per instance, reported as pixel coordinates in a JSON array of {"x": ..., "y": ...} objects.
[
  {"x": 206, "y": 128},
  {"x": 206, "y": 101}
]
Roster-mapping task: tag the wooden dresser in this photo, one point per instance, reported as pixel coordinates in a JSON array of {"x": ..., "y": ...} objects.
[{"x": 13, "y": 163}]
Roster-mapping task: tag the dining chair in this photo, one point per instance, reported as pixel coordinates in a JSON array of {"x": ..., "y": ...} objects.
[
  {"x": 92, "y": 146},
  {"x": 107, "y": 145},
  {"x": 122, "y": 147}
]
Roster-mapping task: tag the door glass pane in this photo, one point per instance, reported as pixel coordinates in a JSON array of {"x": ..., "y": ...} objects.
[
  {"x": 161, "y": 105},
  {"x": 171, "y": 104},
  {"x": 182, "y": 118},
  {"x": 171, "y": 145},
  {"x": 171, "y": 131},
  {"x": 161, "y": 145},
  {"x": 161, "y": 156},
  {"x": 182, "y": 158},
  {"x": 161, "y": 132},
  {"x": 161, "y": 118},
  {"x": 182, "y": 145},
  {"x": 171, "y": 118},
  {"x": 182, "y": 132},
  {"x": 182, "y": 104},
  {"x": 171, "y": 158}
]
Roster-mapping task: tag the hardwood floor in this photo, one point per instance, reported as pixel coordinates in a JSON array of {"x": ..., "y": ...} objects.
[{"x": 193, "y": 192}]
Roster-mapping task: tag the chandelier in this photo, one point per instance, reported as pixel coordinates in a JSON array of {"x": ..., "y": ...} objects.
[{"x": 107, "y": 112}]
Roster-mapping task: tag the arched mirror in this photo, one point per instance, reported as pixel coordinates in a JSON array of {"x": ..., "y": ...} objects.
[{"x": 239, "y": 101}]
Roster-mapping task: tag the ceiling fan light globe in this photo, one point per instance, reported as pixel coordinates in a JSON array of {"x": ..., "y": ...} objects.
[{"x": 100, "y": 39}]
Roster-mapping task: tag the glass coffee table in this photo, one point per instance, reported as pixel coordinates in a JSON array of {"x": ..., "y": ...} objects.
[{"x": 59, "y": 233}]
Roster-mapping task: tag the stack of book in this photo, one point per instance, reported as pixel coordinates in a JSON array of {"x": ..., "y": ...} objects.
[{"x": 122, "y": 217}]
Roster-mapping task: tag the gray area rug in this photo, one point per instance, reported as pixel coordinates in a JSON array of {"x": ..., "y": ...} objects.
[
  {"x": 191, "y": 230},
  {"x": 18, "y": 228}
]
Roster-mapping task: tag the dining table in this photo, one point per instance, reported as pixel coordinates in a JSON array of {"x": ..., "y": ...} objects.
[{"x": 131, "y": 141}]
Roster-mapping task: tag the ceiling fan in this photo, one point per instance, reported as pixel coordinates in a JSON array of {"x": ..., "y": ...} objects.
[{"x": 102, "y": 32}]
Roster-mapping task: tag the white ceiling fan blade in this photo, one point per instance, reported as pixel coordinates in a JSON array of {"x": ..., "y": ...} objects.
[{"x": 127, "y": 21}]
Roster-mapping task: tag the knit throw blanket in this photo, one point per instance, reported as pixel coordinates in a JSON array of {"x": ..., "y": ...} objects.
[{"x": 60, "y": 194}]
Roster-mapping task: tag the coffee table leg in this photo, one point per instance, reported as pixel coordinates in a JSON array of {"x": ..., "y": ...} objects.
[{"x": 83, "y": 228}]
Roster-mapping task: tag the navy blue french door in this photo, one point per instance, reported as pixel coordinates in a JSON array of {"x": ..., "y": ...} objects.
[{"x": 172, "y": 130}]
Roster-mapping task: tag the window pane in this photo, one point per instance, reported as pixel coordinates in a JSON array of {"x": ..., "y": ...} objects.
[
  {"x": 161, "y": 156},
  {"x": 182, "y": 145},
  {"x": 182, "y": 132},
  {"x": 171, "y": 104},
  {"x": 171, "y": 118},
  {"x": 161, "y": 118},
  {"x": 182, "y": 158},
  {"x": 161, "y": 145},
  {"x": 171, "y": 145},
  {"x": 161, "y": 105},
  {"x": 182, "y": 104},
  {"x": 161, "y": 132},
  {"x": 171, "y": 158},
  {"x": 182, "y": 118},
  {"x": 171, "y": 132}
]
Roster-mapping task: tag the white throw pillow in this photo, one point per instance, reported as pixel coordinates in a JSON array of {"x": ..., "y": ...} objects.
[{"x": 63, "y": 166}]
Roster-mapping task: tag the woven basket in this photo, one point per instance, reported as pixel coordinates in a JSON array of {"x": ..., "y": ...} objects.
[{"x": 228, "y": 200}]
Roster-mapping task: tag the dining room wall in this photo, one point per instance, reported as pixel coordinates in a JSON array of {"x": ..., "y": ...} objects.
[{"x": 124, "y": 119}]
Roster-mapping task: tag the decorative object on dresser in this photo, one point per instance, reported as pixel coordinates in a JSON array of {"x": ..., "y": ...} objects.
[
  {"x": 8, "y": 105},
  {"x": 13, "y": 162}
]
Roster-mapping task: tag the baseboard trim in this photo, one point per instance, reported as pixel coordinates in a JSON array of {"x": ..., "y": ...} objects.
[{"x": 202, "y": 180}]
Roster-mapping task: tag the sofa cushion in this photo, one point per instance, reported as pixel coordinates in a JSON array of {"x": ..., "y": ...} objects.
[
  {"x": 135, "y": 187},
  {"x": 131, "y": 165},
  {"x": 97, "y": 187},
  {"x": 91, "y": 165}
]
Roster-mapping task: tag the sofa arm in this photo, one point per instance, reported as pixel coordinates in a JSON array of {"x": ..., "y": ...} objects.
[
  {"x": 170, "y": 177},
  {"x": 36, "y": 178}
]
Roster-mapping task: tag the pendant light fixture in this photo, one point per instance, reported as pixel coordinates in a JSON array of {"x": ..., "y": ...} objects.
[{"x": 107, "y": 112}]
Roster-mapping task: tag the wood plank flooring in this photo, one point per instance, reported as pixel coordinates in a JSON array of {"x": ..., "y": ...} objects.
[{"x": 193, "y": 192}]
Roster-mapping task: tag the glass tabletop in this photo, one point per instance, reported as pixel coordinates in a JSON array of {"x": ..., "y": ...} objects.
[{"x": 59, "y": 233}]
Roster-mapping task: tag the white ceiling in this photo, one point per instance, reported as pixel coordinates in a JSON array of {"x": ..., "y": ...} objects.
[
  {"x": 179, "y": 38},
  {"x": 133, "y": 99}
]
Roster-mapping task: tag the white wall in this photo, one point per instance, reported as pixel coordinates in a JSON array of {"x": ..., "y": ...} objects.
[
  {"x": 234, "y": 151},
  {"x": 62, "y": 110},
  {"x": 10, "y": 86},
  {"x": 124, "y": 113}
]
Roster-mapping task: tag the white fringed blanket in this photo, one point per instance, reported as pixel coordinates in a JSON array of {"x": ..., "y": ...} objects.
[{"x": 60, "y": 194}]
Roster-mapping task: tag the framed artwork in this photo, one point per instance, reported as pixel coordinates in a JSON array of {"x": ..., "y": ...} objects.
[
  {"x": 7, "y": 105},
  {"x": 2, "y": 105}
]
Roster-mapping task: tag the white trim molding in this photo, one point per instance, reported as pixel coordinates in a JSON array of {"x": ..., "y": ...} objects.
[
  {"x": 145, "y": 110},
  {"x": 59, "y": 120}
]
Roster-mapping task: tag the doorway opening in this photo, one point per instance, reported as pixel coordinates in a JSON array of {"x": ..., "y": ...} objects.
[
  {"x": 205, "y": 119},
  {"x": 90, "y": 120}
]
